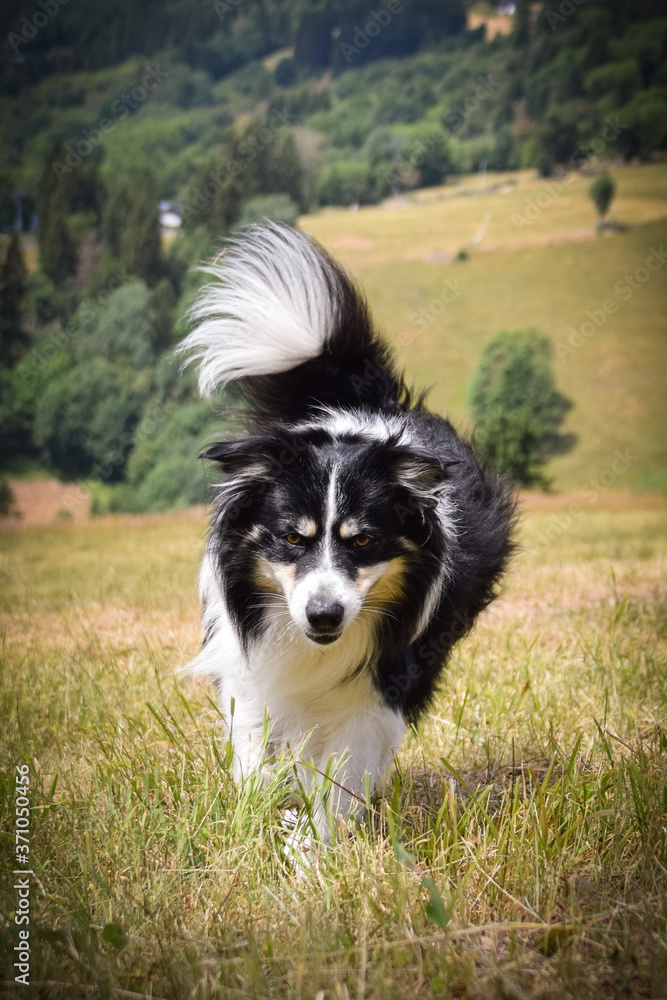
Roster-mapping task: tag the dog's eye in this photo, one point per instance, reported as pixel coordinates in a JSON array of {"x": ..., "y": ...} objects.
[
  {"x": 362, "y": 540},
  {"x": 293, "y": 538}
]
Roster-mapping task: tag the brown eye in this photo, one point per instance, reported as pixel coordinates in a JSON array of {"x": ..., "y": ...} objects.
[
  {"x": 362, "y": 540},
  {"x": 292, "y": 538}
]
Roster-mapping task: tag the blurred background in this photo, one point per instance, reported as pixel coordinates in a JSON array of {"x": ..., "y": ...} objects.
[{"x": 494, "y": 176}]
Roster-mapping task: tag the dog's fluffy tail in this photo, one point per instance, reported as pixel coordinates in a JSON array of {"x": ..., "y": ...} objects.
[{"x": 282, "y": 319}]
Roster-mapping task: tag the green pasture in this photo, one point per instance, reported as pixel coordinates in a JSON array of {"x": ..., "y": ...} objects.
[{"x": 548, "y": 274}]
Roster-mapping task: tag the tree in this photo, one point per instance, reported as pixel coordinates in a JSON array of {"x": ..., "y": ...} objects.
[
  {"x": 7, "y": 498},
  {"x": 558, "y": 139},
  {"x": 125, "y": 331},
  {"x": 285, "y": 72},
  {"x": 115, "y": 220},
  {"x": 313, "y": 46},
  {"x": 276, "y": 207},
  {"x": 57, "y": 250},
  {"x": 516, "y": 406},
  {"x": 13, "y": 335},
  {"x": 215, "y": 198},
  {"x": 85, "y": 419},
  {"x": 602, "y": 192},
  {"x": 140, "y": 242},
  {"x": 287, "y": 175},
  {"x": 521, "y": 33}
]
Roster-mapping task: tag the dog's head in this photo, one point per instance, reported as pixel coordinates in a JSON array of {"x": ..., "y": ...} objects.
[{"x": 332, "y": 528}]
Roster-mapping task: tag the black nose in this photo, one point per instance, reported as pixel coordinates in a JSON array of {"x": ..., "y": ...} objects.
[{"x": 324, "y": 617}]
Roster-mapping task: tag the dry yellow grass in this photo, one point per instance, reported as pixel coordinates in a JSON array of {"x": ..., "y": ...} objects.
[{"x": 521, "y": 849}]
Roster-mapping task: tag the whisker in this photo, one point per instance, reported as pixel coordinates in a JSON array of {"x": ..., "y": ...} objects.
[{"x": 379, "y": 611}]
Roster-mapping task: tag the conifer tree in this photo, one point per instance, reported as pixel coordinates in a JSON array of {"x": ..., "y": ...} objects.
[
  {"x": 521, "y": 33},
  {"x": 140, "y": 240},
  {"x": 115, "y": 219},
  {"x": 225, "y": 208},
  {"x": 288, "y": 172},
  {"x": 57, "y": 251},
  {"x": 13, "y": 334}
]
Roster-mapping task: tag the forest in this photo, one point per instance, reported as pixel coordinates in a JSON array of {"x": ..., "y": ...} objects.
[{"x": 234, "y": 111}]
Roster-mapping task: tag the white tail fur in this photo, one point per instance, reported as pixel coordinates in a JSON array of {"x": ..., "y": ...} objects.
[{"x": 269, "y": 308}]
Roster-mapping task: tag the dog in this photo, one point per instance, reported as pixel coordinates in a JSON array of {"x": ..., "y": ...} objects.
[{"x": 355, "y": 537}]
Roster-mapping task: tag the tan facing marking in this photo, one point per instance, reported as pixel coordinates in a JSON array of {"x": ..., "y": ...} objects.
[
  {"x": 349, "y": 529},
  {"x": 306, "y": 527},
  {"x": 279, "y": 578},
  {"x": 382, "y": 582}
]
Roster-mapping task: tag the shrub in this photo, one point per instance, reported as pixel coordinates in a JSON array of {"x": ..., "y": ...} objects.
[
  {"x": 516, "y": 406},
  {"x": 163, "y": 470},
  {"x": 503, "y": 157},
  {"x": 125, "y": 329},
  {"x": 85, "y": 419},
  {"x": 602, "y": 193},
  {"x": 344, "y": 182},
  {"x": 6, "y": 498},
  {"x": 616, "y": 81},
  {"x": 285, "y": 73},
  {"x": 276, "y": 207},
  {"x": 558, "y": 138}
]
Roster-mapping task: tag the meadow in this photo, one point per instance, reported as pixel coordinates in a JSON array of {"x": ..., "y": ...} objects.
[
  {"x": 539, "y": 265},
  {"x": 520, "y": 847},
  {"x": 519, "y": 850}
]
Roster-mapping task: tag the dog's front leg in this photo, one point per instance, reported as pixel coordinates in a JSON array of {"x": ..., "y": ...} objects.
[
  {"x": 247, "y": 727},
  {"x": 355, "y": 757}
]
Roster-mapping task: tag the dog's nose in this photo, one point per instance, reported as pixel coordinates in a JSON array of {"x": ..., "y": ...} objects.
[{"x": 324, "y": 617}]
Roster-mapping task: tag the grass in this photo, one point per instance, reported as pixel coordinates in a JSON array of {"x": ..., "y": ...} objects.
[
  {"x": 520, "y": 849},
  {"x": 546, "y": 275}
]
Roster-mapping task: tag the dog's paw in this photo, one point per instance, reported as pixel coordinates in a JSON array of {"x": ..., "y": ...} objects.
[{"x": 300, "y": 848}]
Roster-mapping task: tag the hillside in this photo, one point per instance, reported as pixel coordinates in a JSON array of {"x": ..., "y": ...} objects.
[
  {"x": 442, "y": 116},
  {"x": 550, "y": 275},
  {"x": 419, "y": 96}
]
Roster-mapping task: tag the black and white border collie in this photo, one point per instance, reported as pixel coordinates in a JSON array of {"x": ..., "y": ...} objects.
[{"x": 355, "y": 537}]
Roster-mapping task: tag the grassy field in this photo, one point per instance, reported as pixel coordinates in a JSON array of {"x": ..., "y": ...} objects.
[
  {"x": 539, "y": 265},
  {"x": 520, "y": 851}
]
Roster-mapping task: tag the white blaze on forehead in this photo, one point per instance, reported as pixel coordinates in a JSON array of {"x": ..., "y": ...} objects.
[{"x": 330, "y": 511}]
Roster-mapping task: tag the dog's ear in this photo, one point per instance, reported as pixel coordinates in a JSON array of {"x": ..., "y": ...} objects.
[
  {"x": 419, "y": 471},
  {"x": 251, "y": 456}
]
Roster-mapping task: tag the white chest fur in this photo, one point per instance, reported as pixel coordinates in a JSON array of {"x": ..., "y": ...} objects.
[{"x": 324, "y": 693}]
